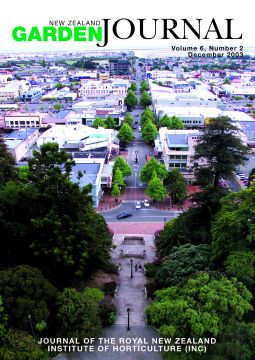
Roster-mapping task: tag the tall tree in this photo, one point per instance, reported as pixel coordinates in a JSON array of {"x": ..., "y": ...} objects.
[
  {"x": 176, "y": 123},
  {"x": 150, "y": 167},
  {"x": 144, "y": 86},
  {"x": 78, "y": 313},
  {"x": 121, "y": 163},
  {"x": 25, "y": 291},
  {"x": 128, "y": 119},
  {"x": 7, "y": 164},
  {"x": 145, "y": 99},
  {"x": 182, "y": 262},
  {"x": 99, "y": 122},
  {"x": 110, "y": 122},
  {"x": 165, "y": 121},
  {"x": 125, "y": 134},
  {"x": 147, "y": 115},
  {"x": 133, "y": 86},
  {"x": 131, "y": 100},
  {"x": 149, "y": 132},
  {"x": 176, "y": 185},
  {"x": 118, "y": 178},
  {"x": 204, "y": 306},
  {"x": 221, "y": 148},
  {"x": 156, "y": 189}
]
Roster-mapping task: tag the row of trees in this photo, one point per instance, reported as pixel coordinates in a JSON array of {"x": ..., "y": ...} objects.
[
  {"x": 162, "y": 182},
  {"x": 108, "y": 123},
  {"x": 206, "y": 256},
  {"x": 121, "y": 169},
  {"x": 51, "y": 239}
]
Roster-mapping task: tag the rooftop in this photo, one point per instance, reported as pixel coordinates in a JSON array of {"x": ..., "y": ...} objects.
[{"x": 20, "y": 134}]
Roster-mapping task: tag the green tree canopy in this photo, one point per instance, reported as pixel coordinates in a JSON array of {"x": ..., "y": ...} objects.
[
  {"x": 155, "y": 188},
  {"x": 115, "y": 190},
  {"x": 121, "y": 163},
  {"x": 145, "y": 99},
  {"x": 78, "y": 313},
  {"x": 110, "y": 122},
  {"x": 176, "y": 185},
  {"x": 57, "y": 107},
  {"x": 128, "y": 119},
  {"x": 99, "y": 122},
  {"x": 150, "y": 167},
  {"x": 182, "y": 262},
  {"x": 144, "y": 86},
  {"x": 146, "y": 116},
  {"x": 203, "y": 306},
  {"x": 234, "y": 228},
  {"x": 149, "y": 132},
  {"x": 131, "y": 100},
  {"x": 20, "y": 345},
  {"x": 118, "y": 178},
  {"x": 165, "y": 121},
  {"x": 220, "y": 146},
  {"x": 176, "y": 123},
  {"x": 7, "y": 164},
  {"x": 241, "y": 264},
  {"x": 133, "y": 86},
  {"x": 125, "y": 133},
  {"x": 25, "y": 291}
]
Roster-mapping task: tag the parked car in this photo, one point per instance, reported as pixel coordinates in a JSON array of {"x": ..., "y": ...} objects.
[
  {"x": 146, "y": 203},
  {"x": 123, "y": 215},
  {"x": 138, "y": 205},
  {"x": 139, "y": 129}
]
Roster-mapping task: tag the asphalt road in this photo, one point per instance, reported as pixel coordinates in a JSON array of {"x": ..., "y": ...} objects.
[{"x": 141, "y": 215}]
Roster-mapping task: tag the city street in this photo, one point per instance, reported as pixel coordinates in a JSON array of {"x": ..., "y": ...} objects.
[{"x": 140, "y": 215}]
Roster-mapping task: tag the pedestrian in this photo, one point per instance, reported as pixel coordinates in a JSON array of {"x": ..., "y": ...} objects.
[
  {"x": 136, "y": 267},
  {"x": 140, "y": 267}
]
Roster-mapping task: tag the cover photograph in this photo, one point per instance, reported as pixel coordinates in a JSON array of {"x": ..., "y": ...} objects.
[{"x": 127, "y": 180}]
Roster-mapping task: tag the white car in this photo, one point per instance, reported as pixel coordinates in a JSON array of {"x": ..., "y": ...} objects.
[
  {"x": 146, "y": 203},
  {"x": 138, "y": 205}
]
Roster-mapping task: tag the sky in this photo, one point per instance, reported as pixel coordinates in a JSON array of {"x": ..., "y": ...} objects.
[{"x": 31, "y": 13}]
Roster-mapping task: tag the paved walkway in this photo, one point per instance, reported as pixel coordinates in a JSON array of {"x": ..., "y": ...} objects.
[
  {"x": 134, "y": 228},
  {"x": 130, "y": 294}
]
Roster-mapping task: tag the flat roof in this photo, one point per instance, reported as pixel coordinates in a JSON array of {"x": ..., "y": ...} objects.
[
  {"x": 20, "y": 134},
  {"x": 89, "y": 172},
  {"x": 248, "y": 125},
  {"x": 177, "y": 140}
]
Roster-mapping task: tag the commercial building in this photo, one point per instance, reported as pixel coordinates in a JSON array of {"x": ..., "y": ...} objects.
[
  {"x": 19, "y": 142},
  {"x": 120, "y": 67},
  {"x": 21, "y": 120},
  {"x": 31, "y": 95}
]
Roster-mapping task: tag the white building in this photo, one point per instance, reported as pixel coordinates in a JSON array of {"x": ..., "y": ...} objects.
[
  {"x": 111, "y": 86},
  {"x": 23, "y": 120},
  {"x": 19, "y": 142}
]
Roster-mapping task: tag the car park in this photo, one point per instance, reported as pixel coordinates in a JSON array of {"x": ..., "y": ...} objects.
[{"x": 123, "y": 215}]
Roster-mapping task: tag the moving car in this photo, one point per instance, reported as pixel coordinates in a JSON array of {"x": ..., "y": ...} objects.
[
  {"x": 146, "y": 203},
  {"x": 138, "y": 205},
  {"x": 123, "y": 215}
]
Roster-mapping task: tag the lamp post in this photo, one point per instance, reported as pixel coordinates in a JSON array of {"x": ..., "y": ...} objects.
[
  {"x": 31, "y": 325},
  {"x": 128, "y": 326},
  {"x": 131, "y": 268}
]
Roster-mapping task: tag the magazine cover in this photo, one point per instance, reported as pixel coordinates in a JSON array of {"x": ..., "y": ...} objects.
[{"x": 127, "y": 164}]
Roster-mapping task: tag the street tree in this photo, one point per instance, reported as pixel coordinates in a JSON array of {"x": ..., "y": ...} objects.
[
  {"x": 183, "y": 262},
  {"x": 121, "y": 163},
  {"x": 99, "y": 122},
  {"x": 155, "y": 188},
  {"x": 144, "y": 86},
  {"x": 125, "y": 134},
  {"x": 128, "y": 119},
  {"x": 110, "y": 122},
  {"x": 176, "y": 186},
  {"x": 176, "y": 123},
  {"x": 149, "y": 132},
  {"x": 147, "y": 115},
  {"x": 153, "y": 166},
  {"x": 25, "y": 291},
  {"x": 118, "y": 178},
  {"x": 8, "y": 170},
  {"x": 115, "y": 190},
  {"x": 165, "y": 121},
  {"x": 133, "y": 86},
  {"x": 204, "y": 306},
  {"x": 57, "y": 107},
  {"x": 145, "y": 99},
  {"x": 131, "y": 100},
  {"x": 78, "y": 313},
  {"x": 220, "y": 148}
]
